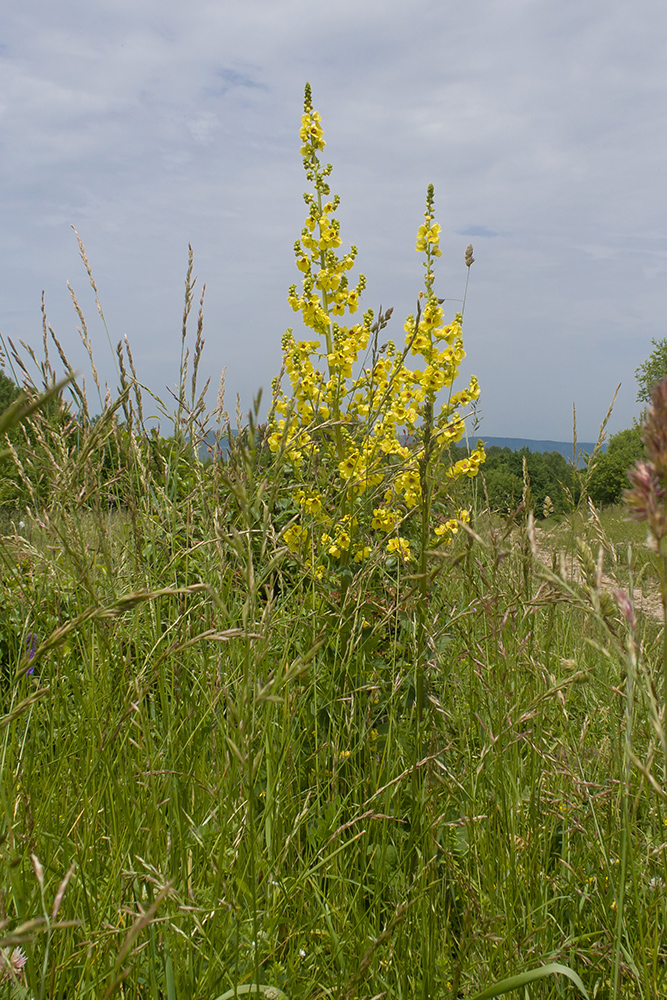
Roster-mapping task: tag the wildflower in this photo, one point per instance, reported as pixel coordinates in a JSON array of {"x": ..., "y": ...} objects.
[
  {"x": 340, "y": 544},
  {"x": 349, "y": 465},
  {"x": 370, "y": 416},
  {"x": 644, "y": 498},
  {"x": 31, "y": 642},
  {"x": 655, "y": 430},
  {"x": 626, "y": 608},
  {"x": 12, "y": 963},
  {"x": 450, "y": 527},
  {"x": 311, "y": 502},
  {"x": 400, "y": 546},
  {"x": 384, "y": 519},
  {"x": 468, "y": 466},
  {"x": 295, "y": 537}
]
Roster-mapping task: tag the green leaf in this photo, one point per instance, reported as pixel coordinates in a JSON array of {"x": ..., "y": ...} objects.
[{"x": 516, "y": 982}]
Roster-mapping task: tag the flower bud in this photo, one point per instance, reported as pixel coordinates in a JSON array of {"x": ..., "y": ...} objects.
[
  {"x": 655, "y": 429},
  {"x": 644, "y": 499}
]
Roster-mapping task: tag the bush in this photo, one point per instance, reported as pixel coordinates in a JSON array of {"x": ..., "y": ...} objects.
[
  {"x": 609, "y": 476},
  {"x": 552, "y": 481}
]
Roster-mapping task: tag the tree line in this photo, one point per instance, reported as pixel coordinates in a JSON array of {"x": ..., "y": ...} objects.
[{"x": 554, "y": 485}]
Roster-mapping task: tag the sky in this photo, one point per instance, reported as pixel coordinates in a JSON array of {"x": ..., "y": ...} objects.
[{"x": 150, "y": 124}]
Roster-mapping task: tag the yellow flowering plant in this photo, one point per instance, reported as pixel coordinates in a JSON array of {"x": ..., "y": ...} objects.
[{"x": 371, "y": 421}]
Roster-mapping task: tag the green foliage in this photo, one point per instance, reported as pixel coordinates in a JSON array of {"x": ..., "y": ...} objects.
[
  {"x": 653, "y": 370},
  {"x": 516, "y": 982},
  {"x": 552, "y": 481},
  {"x": 9, "y": 391},
  {"x": 19, "y": 412},
  {"x": 609, "y": 476}
]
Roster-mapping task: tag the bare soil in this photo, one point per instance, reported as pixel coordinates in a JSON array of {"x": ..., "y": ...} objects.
[{"x": 646, "y": 601}]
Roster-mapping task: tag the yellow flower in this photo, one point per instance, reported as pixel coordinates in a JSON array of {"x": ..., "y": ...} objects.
[
  {"x": 340, "y": 545},
  {"x": 434, "y": 233},
  {"x": 311, "y": 130},
  {"x": 311, "y": 502},
  {"x": 401, "y": 546},
  {"x": 295, "y": 537},
  {"x": 384, "y": 519},
  {"x": 362, "y": 443},
  {"x": 432, "y": 379},
  {"x": 468, "y": 466},
  {"x": 348, "y": 466},
  {"x": 362, "y": 553}
]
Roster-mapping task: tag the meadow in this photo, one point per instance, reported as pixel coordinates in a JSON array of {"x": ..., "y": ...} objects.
[{"x": 304, "y": 717}]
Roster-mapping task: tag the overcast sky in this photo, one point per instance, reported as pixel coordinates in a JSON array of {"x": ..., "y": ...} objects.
[{"x": 151, "y": 124}]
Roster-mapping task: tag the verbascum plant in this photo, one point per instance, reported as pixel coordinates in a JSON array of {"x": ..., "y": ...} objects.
[{"x": 373, "y": 423}]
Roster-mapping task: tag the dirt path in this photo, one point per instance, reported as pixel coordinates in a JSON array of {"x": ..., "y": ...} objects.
[{"x": 646, "y": 601}]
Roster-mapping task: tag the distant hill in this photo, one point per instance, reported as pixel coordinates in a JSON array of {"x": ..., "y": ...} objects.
[{"x": 516, "y": 444}]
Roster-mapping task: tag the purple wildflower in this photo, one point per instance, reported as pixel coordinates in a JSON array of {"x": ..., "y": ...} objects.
[
  {"x": 31, "y": 641},
  {"x": 645, "y": 500}
]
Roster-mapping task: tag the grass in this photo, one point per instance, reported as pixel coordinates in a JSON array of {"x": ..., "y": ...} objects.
[
  {"x": 628, "y": 549},
  {"x": 231, "y": 768},
  {"x": 240, "y": 755}
]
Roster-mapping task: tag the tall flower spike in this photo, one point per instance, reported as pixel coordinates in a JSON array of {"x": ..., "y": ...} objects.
[
  {"x": 655, "y": 430},
  {"x": 645, "y": 498},
  {"x": 358, "y": 420}
]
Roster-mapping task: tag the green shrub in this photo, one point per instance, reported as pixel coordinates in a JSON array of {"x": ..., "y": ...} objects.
[
  {"x": 609, "y": 476},
  {"x": 553, "y": 484}
]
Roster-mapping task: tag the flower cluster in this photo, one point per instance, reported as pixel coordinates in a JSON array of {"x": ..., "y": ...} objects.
[
  {"x": 645, "y": 498},
  {"x": 451, "y": 527},
  {"x": 12, "y": 964},
  {"x": 357, "y": 406}
]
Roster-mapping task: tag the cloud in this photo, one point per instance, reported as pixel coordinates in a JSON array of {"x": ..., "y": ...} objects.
[
  {"x": 232, "y": 78},
  {"x": 477, "y": 231},
  {"x": 150, "y": 125}
]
